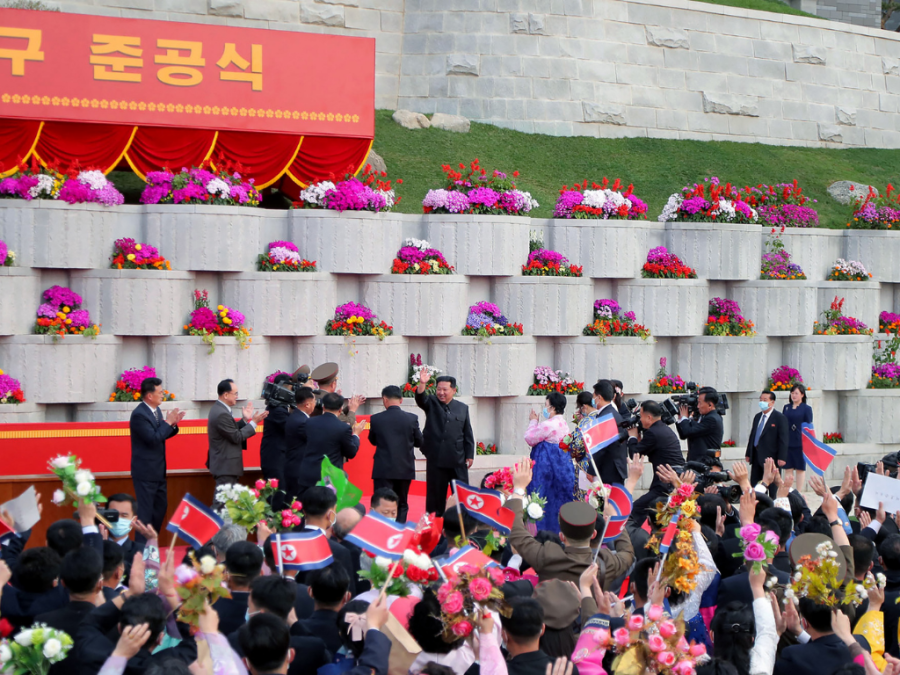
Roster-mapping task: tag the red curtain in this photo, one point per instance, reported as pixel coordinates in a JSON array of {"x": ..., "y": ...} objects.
[
  {"x": 263, "y": 156},
  {"x": 323, "y": 157},
  {"x": 156, "y": 147},
  {"x": 17, "y": 138},
  {"x": 97, "y": 146}
]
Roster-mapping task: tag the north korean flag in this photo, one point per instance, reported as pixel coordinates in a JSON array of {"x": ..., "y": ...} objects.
[
  {"x": 621, "y": 499},
  {"x": 817, "y": 454},
  {"x": 376, "y": 534},
  {"x": 467, "y": 555},
  {"x": 302, "y": 551},
  {"x": 194, "y": 522},
  {"x": 599, "y": 432},
  {"x": 615, "y": 527},
  {"x": 485, "y": 505},
  {"x": 670, "y": 534}
]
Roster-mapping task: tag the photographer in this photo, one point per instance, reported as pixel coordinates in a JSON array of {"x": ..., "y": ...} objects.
[
  {"x": 703, "y": 434},
  {"x": 660, "y": 445},
  {"x": 272, "y": 448}
]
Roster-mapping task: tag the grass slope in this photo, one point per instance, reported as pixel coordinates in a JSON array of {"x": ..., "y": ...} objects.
[
  {"x": 656, "y": 167},
  {"x": 765, "y": 6}
]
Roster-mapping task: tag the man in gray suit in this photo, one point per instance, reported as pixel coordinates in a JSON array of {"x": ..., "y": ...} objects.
[{"x": 228, "y": 438}]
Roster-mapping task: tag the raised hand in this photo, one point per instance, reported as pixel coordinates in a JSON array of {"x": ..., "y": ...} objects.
[
  {"x": 667, "y": 475},
  {"x": 880, "y": 514},
  {"x": 355, "y": 401},
  {"x": 864, "y": 519},
  {"x": 260, "y": 416},
  {"x": 131, "y": 640},
  {"x": 358, "y": 427},
  {"x": 720, "y": 522},
  {"x": 748, "y": 507},
  {"x": 247, "y": 411},
  {"x": 522, "y": 474},
  {"x": 741, "y": 475},
  {"x": 136, "y": 582},
  {"x": 146, "y": 531},
  {"x": 769, "y": 471},
  {"x": 377, "y": 613},
  {"x": 856, "y": 483},
  {"x": 172, "y": 417},
  {"x": 818, "y": 486}
]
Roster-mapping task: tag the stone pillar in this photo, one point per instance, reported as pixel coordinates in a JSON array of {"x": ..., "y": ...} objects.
[
  {"x": 547, "y": 305},
  {"x": 726, "y": 363},
  {"x": 503, "y": 366},
  {"x": 627, "y": 358},
  {"x": 282, "y": 303},
  {"x": 676, "y": 307},
  {"x": 831, "y": 362},
  {"x": 427, "y": 305},
  {"x": 717, "y": 250},
  {"x": 778, "y": 308},
  {"x": 480, "y": 245}
]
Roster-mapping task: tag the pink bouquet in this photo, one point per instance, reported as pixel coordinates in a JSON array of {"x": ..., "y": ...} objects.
[
  {"x": 756, "y": 546},
  {"x": 462, "y": 595}
]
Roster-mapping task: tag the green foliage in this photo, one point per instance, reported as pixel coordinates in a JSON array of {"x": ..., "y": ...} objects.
[{"x": 348, "y": 494}]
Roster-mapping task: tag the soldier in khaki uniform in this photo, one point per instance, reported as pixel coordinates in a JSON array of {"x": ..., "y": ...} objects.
[{"x": 326, "y": 377}]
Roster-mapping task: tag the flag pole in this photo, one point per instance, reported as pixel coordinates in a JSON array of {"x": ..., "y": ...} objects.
[
  {"x": 462, "y": 527},
  {"x": 602, "y": 537},
  {"x": 280, "y": 561},
  {"x": 172, "y": 546},
  {"x": 390, "y": 576}
]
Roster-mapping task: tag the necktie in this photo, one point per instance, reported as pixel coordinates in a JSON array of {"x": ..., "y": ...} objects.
[
  {"x": 159, "y": 417},
  {"x": 759, "y": 430}
]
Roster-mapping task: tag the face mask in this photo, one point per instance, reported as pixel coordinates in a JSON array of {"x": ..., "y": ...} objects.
[
  {"x": 763, "y": 405},
  {"x": 120, "y": 528},
  {"x": 248, "y": 614},
  {"x": 545, "y": 413}
]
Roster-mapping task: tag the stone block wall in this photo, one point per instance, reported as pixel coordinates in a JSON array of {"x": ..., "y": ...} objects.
[{"x": 143, "y": 313}]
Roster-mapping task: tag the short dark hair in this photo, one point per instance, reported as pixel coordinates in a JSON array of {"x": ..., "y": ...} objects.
[
  {"x": 707, "y": 504},
  {"x": 639, "y": 576},
  {"x": 64, "y": 536},
  {"x": 224, "y": 387},
  {"x": 318, "y": 500},
  {"x": 889, "y": 550},
  {"x": 145, "y": 608},
  {"x": 557, "y": 401},
  {"x": 383, "y": 494},
  {"x": 392, "y": 391},
  {"x": 526, "y": 620},
  {"x": 425, "y": 625},
  {"x": 265, "y": 641},
  {"x": 818, "y": 524},
  {"x": 446, "y": 378},
  {"x": 584, "y": 398},
  {"x": 113, "y": 556},
  {"x": 784, "y": 520},
  {"x": 710, "y": 395},
  {"x": 37, "y": 569},
  {"x": 280, "y": 378},
  {"x": 302, "y": 394},
  {"x": 863, "y": 552},
  {"x": 735, "y": 628},
  {"x": 605, "y": 390},
  {"x": 81, "y": 570},
  {"x": 435, "y": 668},
  {"x": 771, "y": 394},
  {"x": 652, "y": 408},
  {"x": 274, "y": 594},
  {"x": 332, "y": 401},
  {"x": 149, "y": 385},
  {"x": 124, "y": 497},
  {"x": 769, "y": 524},
  {"x": 329, "y": 584},
  {"x": 817, "y": 615},
  {"x": 244, "y": 559}
]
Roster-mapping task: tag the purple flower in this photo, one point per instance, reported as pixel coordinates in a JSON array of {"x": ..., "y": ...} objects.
[
  {"x": 237, "y": 319},
  {"x": 483, "y": 199},
  {"x": 884, "y": 317},
  {"x": 189, "y": 192},
  {"x": 890, "y": 371},
  {"x": 80, "y": 318},
  {"x": 567, "y": 201},
  {"x": 353, "y": 195},
  {"x": 349, "y": 309},
  {"x": 133, "y": 377},
  {"x": 8, "y": 385},
  {"x": 3, "y": 253},
  {"x": 203, "y": 318},
  {"x": 47, "y": 311},
  {"x": 60, "y": 296},
  {"x": 284, "y": 244},
  {"x": 607, "y": 308}
]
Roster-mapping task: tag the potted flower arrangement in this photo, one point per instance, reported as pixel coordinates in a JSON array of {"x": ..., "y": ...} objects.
[
  {"x": 886, "y": 371},
  {"x": 283, "y": 256},
  {"x": 10, "y": 390},
  {"x": 59, "y": 315},
  {"x": 600, "y": 202},
  {"x": 783, "y": 378},
  {"x": 888, "y": 322},
  {"x": 546, "y": 263},
  {"x": 130, "y": 255},
  {"x": 200, "y": 185},
  {"x": 874, "y": 212},
  {"x": 33, "y": 181},
  {"x": 661, "y": 264},
  {"x": 781, "y": 205},
  {"x": 128, "y": 385},
  {"x": 34, "y": 650},
  {"x": 848, "y": 270},
  {"x": 7, "y": 257},
  {"x": 485, "y": 320},
  {"x": 725, "y": 320},
  {"x": 223, "y": 321},
  {"x": 708, "y": 202},
  {"x": 415, "y": 373},
  {"x": 482, "y": 448},
  {"x": 836, "y": 323},
  {"x": 353, "y": 320},
  {"x": 831, "y": 438},
  {"x": 776, "y": 261},
  {"x": 609, "y": 321},
  {"x": 73, "y": 187},
  {"x": 728, "y": 443},
  {"x": 417, "y": 256},
  {"x": 367, "y": 193},
  {"x": 476, "y": 191},
  {"x": 664, "y": 383},
  {"x": 547, "y": 381},
  {"x": 271, "y": 377},
  {"x": 729, "y": 351}
]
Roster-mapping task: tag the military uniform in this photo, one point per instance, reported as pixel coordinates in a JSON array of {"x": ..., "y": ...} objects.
[{"x": 324, "y": 376}]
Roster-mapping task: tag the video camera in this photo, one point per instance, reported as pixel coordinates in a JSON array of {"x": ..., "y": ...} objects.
[
  {"x": 276, "y": 394},
  {"x": 691, "y": 399},
  {"x": 706, "y": 477},
  {"x": 890, "y": 462},
  {"x": 633, "y": 418},
  {"x": 111, "y": 515}
]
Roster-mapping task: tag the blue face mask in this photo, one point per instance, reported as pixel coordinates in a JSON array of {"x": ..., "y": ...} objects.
[
  {"x": 545, "y": 413},
  {"x": 120, "y": 528},
  {"x": 763, "y": 405},
  {"x": 248, "y": 614}
]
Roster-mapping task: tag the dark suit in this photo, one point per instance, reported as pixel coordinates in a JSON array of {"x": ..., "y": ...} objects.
[
  {"x": 362, "y": 585},
  {"x": 232, "y": 611},
  {"x": 611, "y": 461},
  {"x": 736, "y": 588},
  {"x": 272, "y": 449},
  {"x": 326, "y": 436},
  {"x": 702, "y": 435},
  {"x": 149, "y": 433},
  {"x": 447, "y": 443},
  {"x": 66, "y": 619},
  {"x": 530, "y": 663},
  {"x": 294, "y": 449},
  {"x": 772, "y": 443},
  {"x": 310, "y": 653},
  {"x": 395, "y": 434},
  {"x": 341, "y": 557},
  {"x": 891, "y": 611},
  {"x": 227, "y": 441},
  {"x": 817, "y": 657},
  {"x": 323, "y": 624},
  {"x": 660, "y": 445}
]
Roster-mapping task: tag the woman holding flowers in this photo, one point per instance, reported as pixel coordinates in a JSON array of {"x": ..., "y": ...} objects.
[
  {"x": 554, "y": 472},
  {"x": 798, "y": 412}
]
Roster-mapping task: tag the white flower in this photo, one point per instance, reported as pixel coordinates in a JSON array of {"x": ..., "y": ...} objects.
[
  {"x": 788, "y": 593},
  {"x": 280, "y": 254},
  {"x": 528, "y": 202},
  {"x": 832, "y": 554},
  {"x": 593, "y": 198},
  {"x": 59, "y": 497},
  {"x": 535, "y": 512},
  {"x": 420, "y": 244},
  {"x": 219, "y": 187},
  {"x": 725, "y": 208},
  {"x": 207, "y": 564},
  {"x": 409, "y": 557},
  {"x": 11, "y": 256},
  {"x": 771, "y": 582},
  {"x": 594, "y": 502},
  {"x": 390, "y": 197},
  {"x": 44, "y": 186},
  {"x": 95, "y": 179},
  {"x": 24, "y": 638},
  {"x": 52, "y": 647},
  {"x": 83, "y": 476},
  {"x": 881, "y": 580},
  {"x": 384, "y": 563},
  {"x": 670, "y": 210},
  {"x": 5, "y": 653},
  {"x": 60, "y": 462},
  {"x": 83, "y": 489},
  {"x": 798, "y": 576},
  {"x": 315, "y": 193}
]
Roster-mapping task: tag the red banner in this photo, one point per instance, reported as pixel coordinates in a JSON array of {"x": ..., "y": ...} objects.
[{"x": 72, "y": 67}]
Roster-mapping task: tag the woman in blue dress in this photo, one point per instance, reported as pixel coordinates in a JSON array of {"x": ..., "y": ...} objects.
[
  {"x": 798, "y": 413},
  {"x": 553, "y": 475}
]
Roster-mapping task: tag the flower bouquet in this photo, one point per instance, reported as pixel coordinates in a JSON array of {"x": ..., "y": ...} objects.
[
  {"x": 818, "y": 577},
  {"x": 609, "y": 321},
  {"x": 756, "y": 546},
  {"x": 486, "y": 320},
  {"x": 224, "y": 321},
  {"x": 482, "y": 448},
  {"x": 10, "y": 390},
  {"x": 776, "y": 261},
  {"x": 725, "y": 320},
  {"x": 836, "y": 437},
  {"x": 477, "y": 192},
  {"x": 129, "y": 255},
  {"x": 872, "y": 212},
  {"x": 596, "y": 496},
  {"x": 472, "y": 590},
  {"x": 664, "y": 383},
  {"x": 415, "y": 373},
  {"x": 682, "y": 565},
  {"x": 7, "y": 257},
  {"x": 547, "y": 380},
  {"x": 543, "y": 262},
  {"x": 781, "y": 205},
  {"x": 128, "y": 385},
  {"x": 196, "y": 584},
  {"x": 59, "y": 314},
  {"x": 415, "y": 568},
  {"x": 888, "y": 322},
  {"x": 368, "y": 193},
  {"x": 664, "y": 265},
  {"x": 501, "y": 479},
  {"x": 34, "y": 650},
  {"x": 708, "y": 202},
  {"x": 600, "y": 202},
  {"x": 283, "y": 256},
  {"x": 200, "y": 185},
  {"x": 729, "y": 443},
  {"x": 783, "y": 378},
  {"x": 848, "y": 270},
  {"x": 354, "y": 320},
  {"x": 836, "y": 323},
  {"x": 417, "y": 257},
  {"x": 78, "y": 483},
  {"x": 248, "y": 507}
]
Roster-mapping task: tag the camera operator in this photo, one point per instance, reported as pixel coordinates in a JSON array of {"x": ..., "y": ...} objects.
[
  {"x": 660, "y": 445},
  {"x": 703, "y": 431},
  {"x": 272, "y": 447}
]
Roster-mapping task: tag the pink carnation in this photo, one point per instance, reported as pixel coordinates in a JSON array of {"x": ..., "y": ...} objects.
[
  {"x": 453, "y": 604},
  {"x": 462, "y": 628},
  {"x": 481, "y": 589}
]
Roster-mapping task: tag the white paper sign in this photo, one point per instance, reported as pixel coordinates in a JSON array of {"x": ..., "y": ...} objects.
[
  {"x": 881, "y": 489},
  {"x": 23, "y": 510}
]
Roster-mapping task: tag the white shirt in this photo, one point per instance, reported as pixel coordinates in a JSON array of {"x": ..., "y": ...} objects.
[
  {"x": 152, "y": 409},
  {"x": 762, "y": 421}
]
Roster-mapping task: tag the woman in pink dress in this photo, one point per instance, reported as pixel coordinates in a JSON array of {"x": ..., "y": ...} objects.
[{"x": 553, "y": 476}]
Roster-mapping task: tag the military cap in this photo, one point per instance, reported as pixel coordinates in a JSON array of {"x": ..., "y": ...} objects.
[
  {"x": 325, "y": 373},
  {"x": 302, "y": 370},
  {"x": 805, "y": 544},
  {"x": 576, "y": 520}
]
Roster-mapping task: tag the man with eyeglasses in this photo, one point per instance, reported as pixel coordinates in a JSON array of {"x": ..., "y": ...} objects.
[{"x": 227, "y": 437}]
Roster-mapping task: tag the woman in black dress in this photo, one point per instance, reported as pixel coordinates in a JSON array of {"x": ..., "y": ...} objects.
[{"x": 798, "y": 413}]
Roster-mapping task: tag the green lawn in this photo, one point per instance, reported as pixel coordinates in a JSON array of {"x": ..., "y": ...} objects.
[
  {"x": 764, "y": 6},
  {"x": 657, "y": 168}
]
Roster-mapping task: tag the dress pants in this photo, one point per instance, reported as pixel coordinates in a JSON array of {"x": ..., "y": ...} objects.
[
  {"x": 277, "y": 472},
  {"x": 757, "y": 472},
  {"x": 437, "y": 480},
  {"x": 645, "y": 506},
  {"x": 152, "y": 502},
  {"x": 226, "y": 480},
  {"x": 401, "y": 487}
]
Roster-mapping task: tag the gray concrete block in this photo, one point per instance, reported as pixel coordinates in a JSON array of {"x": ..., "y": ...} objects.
[
  {"x": 730, "y": 104},
  {"x": 604, "y": 113},
  {"x": 321, "y": 15},
  {"x": 812, "y": 54},
  {"x": 665, "y": 36}
]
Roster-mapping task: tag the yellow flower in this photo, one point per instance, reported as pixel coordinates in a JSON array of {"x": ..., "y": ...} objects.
[
  {"x": 130, "y": 256},
  {"x": 66, "y": 310},
  {"x": 1, "y": 371},
  {"x": 226, "y": 321},
  {"x": 137, "y": 248},
  {"x": 68, "y": 320},
  {"x": 223, "y": 313},
  {"x": 220, "y": 308},
  {"x": 689, "y": 509}
]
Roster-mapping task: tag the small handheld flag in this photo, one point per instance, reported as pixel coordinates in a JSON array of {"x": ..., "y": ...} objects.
[
  {"x": 467, "y": 555},
  {"x": 302, "y": 551},
  {"x": 818, "y": 455},
  {"x": 621, "y": 499},
  {"x": 614, "y": 528},
  {"x": 669, "y": 535},
  {"x": 599, "y": 432},
  {"x": 485, "y": 505},
  {"x": 346, "y": 492},
  {"x": 376, "y": 534},
  {"x": 194, "y": 522}
]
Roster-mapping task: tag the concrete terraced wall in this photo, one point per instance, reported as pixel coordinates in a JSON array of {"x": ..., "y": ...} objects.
[
  {"x": 143, "y": 312},
  {"x": 606, "y": 68}
]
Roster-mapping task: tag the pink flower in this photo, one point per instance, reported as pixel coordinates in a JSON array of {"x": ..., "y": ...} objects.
[
  {"x": 469, "y": 569},
  {"x": 771, "y": 537},
  {"x": 667, "y": 629},
  {"x": 601, "y": 637},
  {"x": 683, "y": 645},
  {"x": 296, "y": 505},
  {"x": 295, "y": 520},
  {"x": 750, "y": 532},
  {"x": 698, "y": 649},
  {"x": 260, "y": 484},
  {"x": 685, "y": 490},
  {"x": 453, "y": 604},
  {"x": 286, "y": 513},
  {"x": 481, "y": 589},
  {"x": 667, "y": 659},
  {"x": 496, "y": 575},
  {"x": 656, "y": 643},
  {"x": 622, "y": 637},
  {"x": 273, "y": 483},
  {"x": 285, "y": 522},
  {"x": 755, "y": 552},
  {"x": 655, "y": 612},
  {"x": 184, "y": 574},
  {"x": 462, "y": 628},
  {"x": 445, "y": 590},
  {"x": 683, "y": 668},
  {"x": 635, "y": 622}
]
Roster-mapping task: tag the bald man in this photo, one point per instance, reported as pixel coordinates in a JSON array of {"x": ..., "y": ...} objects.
[{"x": 344, "y": 523}]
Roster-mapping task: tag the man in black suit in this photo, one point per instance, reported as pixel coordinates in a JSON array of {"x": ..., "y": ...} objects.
[
  {"x": 768, "y": 437},
  {"x": 448, "y": 442},
  {"x": 149, "y": 432},
  {"x": 243, "y": 562},
  {"x": 823, "y": 654},
  {"x": 889, "y": 558},
  {"x": 611, "y": 461},
  {"x": 522, "y": 636},
  {"x": 295, "y": 441},
  {"x": 704, "y": 434},
  {"x": 272, "y": 447},
  {"x": 660, "y": 445},
  {"x": 395, "y": 434},
  {"x": 327, "y": 436},
  {"x": 328, "y": 589},
  {"x": 319, "y": 504}
]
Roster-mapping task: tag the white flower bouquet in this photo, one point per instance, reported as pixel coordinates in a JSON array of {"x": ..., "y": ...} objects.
[
  {"x": 534, "y": 506},
  {"x": 34, "y": 650},
  {"x": 78, "y": 483}
]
